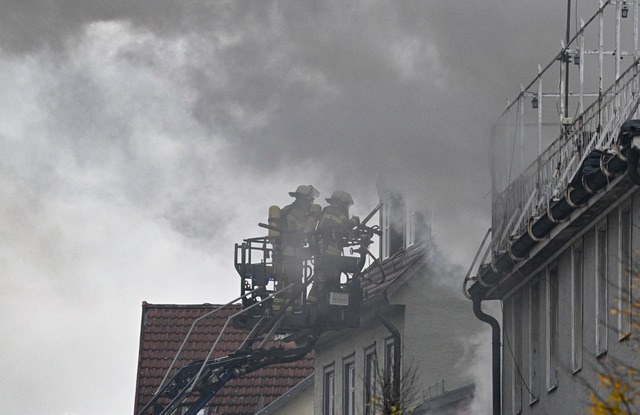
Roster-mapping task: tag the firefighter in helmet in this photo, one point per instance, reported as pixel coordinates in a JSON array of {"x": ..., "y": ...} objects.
[
  {"x": 295, "y": 222},
  {"x": 334, "y": 228}
]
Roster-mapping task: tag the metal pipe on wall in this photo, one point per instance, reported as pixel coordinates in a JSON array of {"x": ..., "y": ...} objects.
[{"x": 495, "y": 351}]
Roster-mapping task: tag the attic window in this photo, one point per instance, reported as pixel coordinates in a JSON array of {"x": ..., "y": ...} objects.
[
  {"x": 392, "y": 223},
  {"x": 418, "y": 225}
]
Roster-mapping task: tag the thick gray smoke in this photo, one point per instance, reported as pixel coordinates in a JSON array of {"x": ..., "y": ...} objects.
[{"x": 140, "y": 140}]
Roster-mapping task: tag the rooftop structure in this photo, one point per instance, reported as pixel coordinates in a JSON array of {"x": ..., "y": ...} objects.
[
  {"x": 528, "y": 200},
  {"x": 564, "y": 182}
]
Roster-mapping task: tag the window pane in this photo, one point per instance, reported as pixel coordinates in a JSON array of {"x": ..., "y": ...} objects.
[
  {"x": 516, "y": 348},
  {"x": 601, "y": 289},
  {"x": 328, "y": 391},
  {"x": 552, "y": 328},
  {"x": 348, "y": 392},
  {"x": 576, "y": 306},
  {"x": 534, "y": 349},
  {"x": 370, "y": 371},
  {"x": 389, "y": 363},
  {"x": 625, "y": 274}
]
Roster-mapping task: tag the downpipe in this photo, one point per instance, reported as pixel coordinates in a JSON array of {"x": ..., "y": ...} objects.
[{"x": 495, "y": 351}]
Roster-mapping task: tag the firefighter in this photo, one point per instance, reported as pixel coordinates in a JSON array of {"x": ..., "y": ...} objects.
[
  {"x": 334, "y": 228},
  {"x": 295, "y": 222}
]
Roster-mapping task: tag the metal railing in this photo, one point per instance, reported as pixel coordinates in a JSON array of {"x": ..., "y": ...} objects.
[
  {"x": 522, "y": 191},
  {"x": 549, "y": 175}
]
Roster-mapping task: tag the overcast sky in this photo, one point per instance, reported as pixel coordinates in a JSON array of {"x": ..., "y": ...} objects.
[{"x": 142, "y": 139}]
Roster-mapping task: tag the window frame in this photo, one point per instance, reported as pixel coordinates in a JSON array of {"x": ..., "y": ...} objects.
[
  {"x": 349, "y": 385},
  {"x": 328, "y": 390},
  {"x": 601, "y": 288},
  {"x": 552, "y": 300},
  {"x": 577, "y": 305},
  {"x": 515, "y": 342},
  {"x": 389, "y": 360},
  {"x": 369, "y": 379},
  {"x": 386, "y": 229},
  {"x": 534, "y": 339},
  {"x": 625, "y": 270},
  {"x": 411, "y": 225}
]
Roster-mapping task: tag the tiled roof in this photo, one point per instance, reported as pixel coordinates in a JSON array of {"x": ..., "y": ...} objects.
[{"x": 163, "y": 329}]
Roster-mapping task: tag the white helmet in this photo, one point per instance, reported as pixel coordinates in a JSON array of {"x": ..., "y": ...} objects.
[
  {"x": 307, "y": 191},
  {"x": 340, "y": 196}
]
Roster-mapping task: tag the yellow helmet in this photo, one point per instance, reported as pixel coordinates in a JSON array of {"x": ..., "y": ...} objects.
[
  {"x": 305, "y": 190},
  {"x": 341, "y": 196}
]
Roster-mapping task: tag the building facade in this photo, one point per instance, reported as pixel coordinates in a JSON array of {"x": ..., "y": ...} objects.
[
  {"x": 565, "y": 230},
  {"x": 413, "y": 326},
  {"x": 558, "y": 322}
]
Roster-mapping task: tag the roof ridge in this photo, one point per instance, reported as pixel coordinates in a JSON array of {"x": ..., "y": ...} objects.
[{"x": 189, "y": 306}]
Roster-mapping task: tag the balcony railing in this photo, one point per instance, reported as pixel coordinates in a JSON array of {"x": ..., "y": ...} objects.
[
  {"x": 523, "y": 191},
  {"x": 549, "y": 175}
]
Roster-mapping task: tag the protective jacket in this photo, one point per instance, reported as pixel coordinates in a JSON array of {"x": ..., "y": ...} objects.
[
  {"x": 293, "y": 221},
  {"x": 334, "y": 228},
  {"x": 290, "y": 254}
]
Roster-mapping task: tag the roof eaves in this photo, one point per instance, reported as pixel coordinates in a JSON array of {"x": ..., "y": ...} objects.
[
  {"x": 448, "y": 398},
  {"x": 412, "y": 270},
  {"x": 142, "y": 322},
  {"x": 402, "y": 264},
  {"x": 146, "y": 305}
]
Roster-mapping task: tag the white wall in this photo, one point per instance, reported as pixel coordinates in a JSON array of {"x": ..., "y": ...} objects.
[
  {"x": 302, "y": 404},
  {"x": 572, "y": 396},
  {"x": 436, "y": 323}
]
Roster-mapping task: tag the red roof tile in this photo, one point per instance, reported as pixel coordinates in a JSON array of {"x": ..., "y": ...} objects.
[{"x": 163, "y": 329}]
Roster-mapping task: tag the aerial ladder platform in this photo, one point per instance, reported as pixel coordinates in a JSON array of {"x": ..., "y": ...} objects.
[{"x": 269, "y": 310}]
